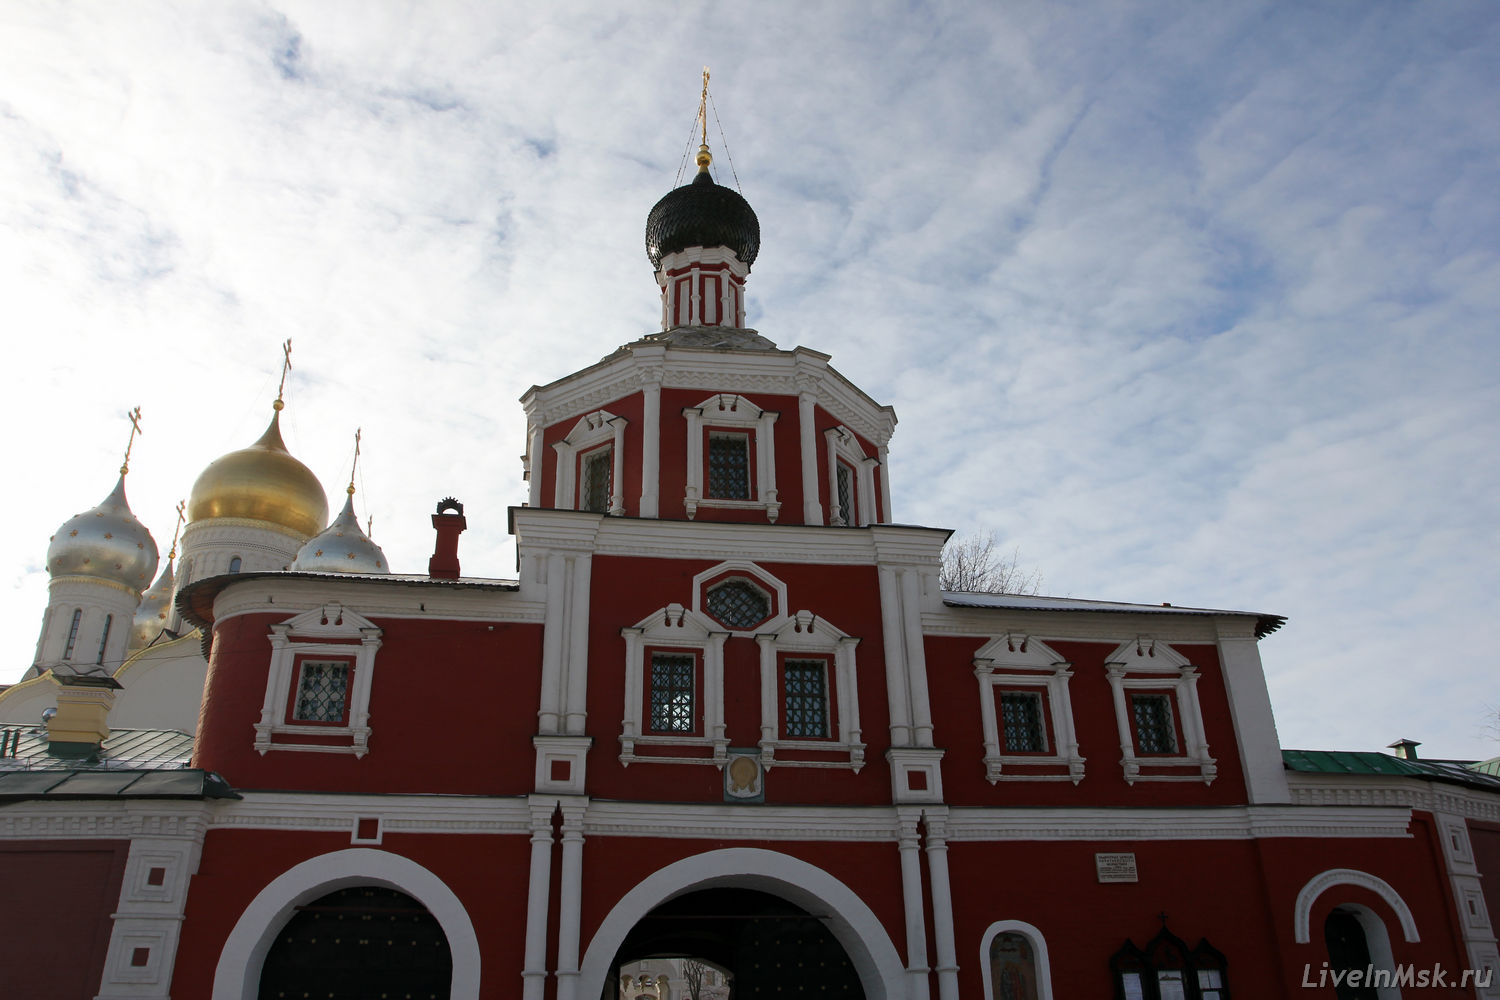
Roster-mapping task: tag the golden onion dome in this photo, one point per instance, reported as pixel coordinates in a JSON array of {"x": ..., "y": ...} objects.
[
  {"x": 151, "y": 616},
  {"x": 106, "y": 543},
  {"x": 342, "y": 548},
  {"x": 262, "y": 483}
]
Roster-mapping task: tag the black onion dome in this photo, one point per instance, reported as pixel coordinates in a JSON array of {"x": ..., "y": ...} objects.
[{"x": 702, "y": 214}]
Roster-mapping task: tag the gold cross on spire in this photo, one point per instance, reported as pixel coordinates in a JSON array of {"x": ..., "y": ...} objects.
[
  {"x": 135, "y": 428},
  {"x": 286, "y": 366},
  {"x": 357, "y": 432},
  {"x": 704, "y": 157},
  {"x": 181, "y": 516}
]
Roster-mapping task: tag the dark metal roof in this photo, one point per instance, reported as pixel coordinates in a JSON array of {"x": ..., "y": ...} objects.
[
  {"x": 183, "y": 783},
  {"x": 126, "y": 749},
  {"x": 1369, "y": 762},
  {"x": 1264, "y": 624},
  {"x": 702, "y": 214}
]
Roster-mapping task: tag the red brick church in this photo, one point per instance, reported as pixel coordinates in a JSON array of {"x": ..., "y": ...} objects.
[{"x": 724, "y": 714}]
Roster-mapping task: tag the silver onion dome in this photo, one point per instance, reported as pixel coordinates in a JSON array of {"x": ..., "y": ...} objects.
[
  {"x": 342, "y": 547},
  {"x": 105, "y": 543},
  {"x": 156, "y": 606}
]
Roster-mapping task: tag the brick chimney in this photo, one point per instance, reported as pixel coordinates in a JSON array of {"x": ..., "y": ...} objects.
[
  {"x": 449, "y": 522},
  {"x": 80, "y": 723}
]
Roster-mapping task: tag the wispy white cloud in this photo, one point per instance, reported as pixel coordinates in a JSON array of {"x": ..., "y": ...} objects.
[{"x": 1192, "y": 304}]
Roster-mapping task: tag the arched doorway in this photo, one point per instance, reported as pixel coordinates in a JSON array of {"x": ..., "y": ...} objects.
[
  {"x": 356, "y": 942},
  {"x": 769, "y": 946},
  {"x": 1348, "y": 949}
]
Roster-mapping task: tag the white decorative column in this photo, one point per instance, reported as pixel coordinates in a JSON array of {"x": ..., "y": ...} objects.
[
  {"x": 535, "y": 464},
  {"x": 886, "y": 517},
  {"x": 651, "y": 444},
  {"x": 916, "y": 657},
  {"x": 570, "y": 902},
  {"x": 942, "y": 903},
  {"x": 911, "y": 897},
  {"x": 812, "y": 507},
  {"x": 538, "y": 891},
  {"x": 895, "y": 659},
  {"x": 580, "y": 571},
  {"x": 1254, "y": 725}
]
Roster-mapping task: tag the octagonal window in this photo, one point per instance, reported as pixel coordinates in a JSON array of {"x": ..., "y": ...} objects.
[{"x": 737, "y": 603}]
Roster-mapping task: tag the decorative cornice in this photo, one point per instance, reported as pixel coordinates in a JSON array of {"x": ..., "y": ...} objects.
[
  {"x": 1384, "y": 791},
  {"x": 397, "y": 813},
  {"x": 105, "y": 820},
  {"x": 1227, "y": 823}
]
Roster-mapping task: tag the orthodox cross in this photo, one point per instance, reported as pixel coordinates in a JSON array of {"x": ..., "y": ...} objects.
[
  {"x": 703, "y": 107},
  {"x": 286, "y": 366},
  {"x": 135, "y": 428},
  {"x": 357, "y": 432},
  {"x": 181, "y": 516}
]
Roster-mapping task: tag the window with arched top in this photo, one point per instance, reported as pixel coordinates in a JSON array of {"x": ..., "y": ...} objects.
[
  {"x": 234, "y": 564},
  {"x": 104, "y": 639},
  {"x": 1167, "y": 970},
  {"x": 1014, "y": 962},
  {"x": 72, "y": 634}
]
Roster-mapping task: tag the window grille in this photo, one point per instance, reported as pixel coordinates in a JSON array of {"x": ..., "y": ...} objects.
[
  {"x": 72, "y": 634},
  {"x": 672, "y": 695},
  {"x": 738, "y": 604},
  {"x": 322, "y": 691},
  {"x": 846, "y": 495},
  {"x": 729, "y": 466},
  {"x": 1021, "y": 719},
  {"x": 1154, "y": 732},
  {"x": 598, "y": 469},
  {"x": 104, "y": 639},
  {"x": 806, "y": 684}
]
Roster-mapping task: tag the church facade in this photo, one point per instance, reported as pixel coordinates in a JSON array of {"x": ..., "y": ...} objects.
[{"x": 725, "y": 717}]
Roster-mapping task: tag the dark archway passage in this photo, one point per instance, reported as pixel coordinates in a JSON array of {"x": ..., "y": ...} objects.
[
  {"x": 772, "y": 948},
  {"x": 358, "y": 943}
]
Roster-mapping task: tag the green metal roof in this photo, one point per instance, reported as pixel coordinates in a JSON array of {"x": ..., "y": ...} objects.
[
  {"x": 181, "y": 783},
  {"x": 26, "y": 750},
  {"x": 1366, "y": 762}
]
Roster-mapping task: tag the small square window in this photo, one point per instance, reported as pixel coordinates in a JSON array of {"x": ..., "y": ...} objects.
[
  {"x": 595, "y": 482},
  {"x": 729, "y": 466},
  {"x": 1022, "y": 723},
  {"x": 140, "y": 957},
  {"x": 322, "y": 691},
  {"x": 673, "y": 695},
  {"x": 1155, "y": 732},
  {"x": 805, "y": 683},
  {"x": 156, "y": 875}
]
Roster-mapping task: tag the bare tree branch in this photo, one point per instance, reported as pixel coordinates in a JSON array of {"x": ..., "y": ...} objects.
[{"x": 975, "y": 564}]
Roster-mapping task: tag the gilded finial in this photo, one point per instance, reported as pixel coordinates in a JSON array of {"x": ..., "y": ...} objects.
[
  {"x": 370, "y": 526},
  {"x": 135, "y": 428},
  {"x": 704, "y": 157},
  {"x": 286, "y": 366},
  {"x": 355, "y": 466},
  {"x": 181, "y": 516}
]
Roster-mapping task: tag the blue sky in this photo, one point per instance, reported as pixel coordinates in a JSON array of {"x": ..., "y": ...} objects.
[{"x": 1189, "y": 302}]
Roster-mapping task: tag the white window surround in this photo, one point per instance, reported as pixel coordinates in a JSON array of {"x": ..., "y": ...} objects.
[
  {"x": 1143, "y": 663},
  {"x": 722, "y": 573},
  {"x": 675, "y": 628},
  {"x": 592, "y": 430},
  {"x": 800, "y": 634},
  {"x": 343, "y": 634},
  {"x": 843, "y": 445},
  {"x": 1015, "y": 661},
  {"x": 1038, "y": 952},
  {"x": 727, "y": 411}
]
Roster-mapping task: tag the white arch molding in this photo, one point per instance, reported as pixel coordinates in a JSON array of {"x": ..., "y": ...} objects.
[
  {"x": 1319, "y": 884},
  {"x": 237, "y": 976},
  {"x": 1038, "y": 948},
  {"x": 852, "y": 923}
]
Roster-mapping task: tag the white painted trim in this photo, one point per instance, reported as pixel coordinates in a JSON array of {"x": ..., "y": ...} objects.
[
  {"x": 675, "y": 627},
  {"x": 747, "y": 568},
  {"x": 850, "y": 919},
  {"x": 1038, "y": 951},
  {"x": 1014, "y": 653},
  {"x": 842, "y": 444},
  {"x": 237, "y": 976},
  {"x": 1319, "y": 884},
  {"x": 1145, "y": 663},
  {"x": 804, "y": 632},
  {"x": 728, "y": 410},
  {"x": 345, "y": 634},
  {"x": 591, "y": 431}
]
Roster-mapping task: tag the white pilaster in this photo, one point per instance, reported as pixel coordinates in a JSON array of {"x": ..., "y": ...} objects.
[
  {"x": 538, "y": 891},
  {"x": 570, "y": 902},
  {"x": 812, "y": 507},
  {"x": 1254, "y": 725},
  {"x": 911, "y": 898},
  {"x": 942, "y": 904},
  {"x": 651, "y": 444}
]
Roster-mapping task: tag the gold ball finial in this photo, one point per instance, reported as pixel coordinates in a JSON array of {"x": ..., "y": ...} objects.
[
  {"x": 704, "y": 158},
  {"x": 278, "y": 406}
]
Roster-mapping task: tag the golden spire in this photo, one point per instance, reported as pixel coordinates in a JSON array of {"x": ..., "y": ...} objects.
[
  {"x": 286, "y": 366},
  {"x": 704, "y": 157},
  {"x": 135, "y": 428},
  {"x": 355, "y": 466},
  {"x": 181, "y": 516}
]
